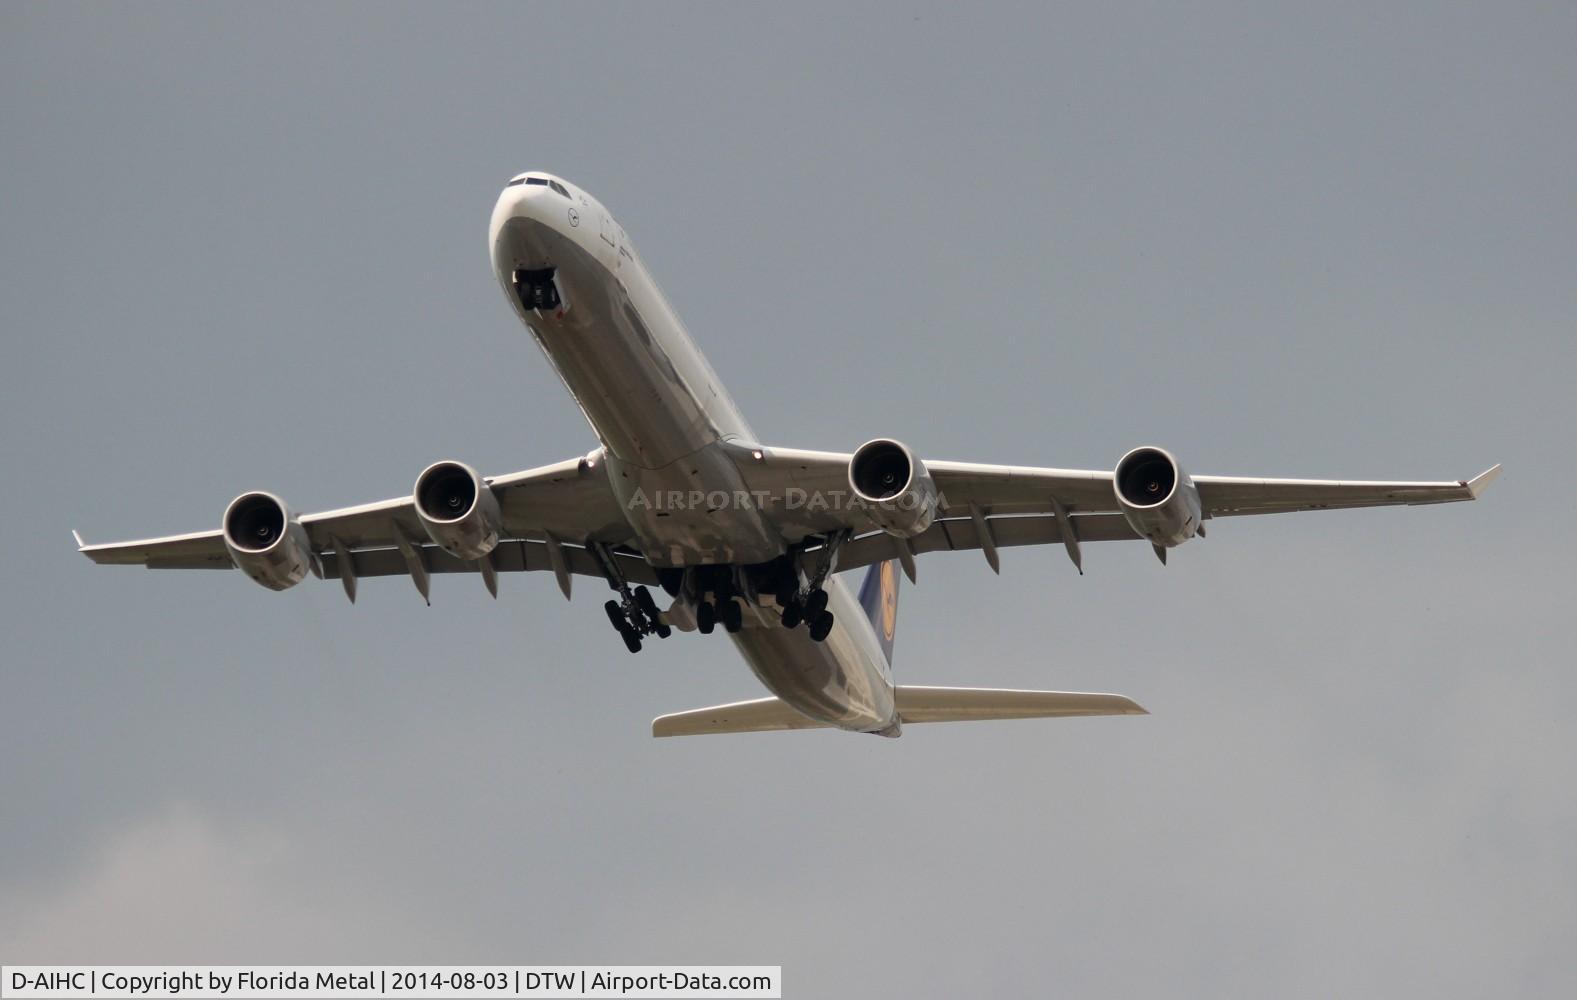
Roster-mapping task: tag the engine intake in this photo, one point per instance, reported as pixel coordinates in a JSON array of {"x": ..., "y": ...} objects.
[
  {"x": 898, "y": 492},
  {"x": 265, "y": 542},
  {"x": 458, "y": 510},
  {"x": 1157, "y": 497}
]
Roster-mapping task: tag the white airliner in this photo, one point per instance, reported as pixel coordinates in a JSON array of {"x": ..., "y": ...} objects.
[{"x": 681, "y": 495}]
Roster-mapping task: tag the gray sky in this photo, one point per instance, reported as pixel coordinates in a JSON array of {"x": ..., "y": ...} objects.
[{"x": 244, "y": 248}]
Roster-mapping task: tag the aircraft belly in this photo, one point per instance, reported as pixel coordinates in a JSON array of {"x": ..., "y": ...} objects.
[
  {"x": 843, "y": 681},
  {"x": 696, "y": 511}
]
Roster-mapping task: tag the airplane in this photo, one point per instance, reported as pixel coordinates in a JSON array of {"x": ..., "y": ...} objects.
[{"x": 682, "y": 496}]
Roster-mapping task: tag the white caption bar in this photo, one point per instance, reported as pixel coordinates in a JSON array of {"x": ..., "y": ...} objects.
[{"x": 375, "y": 982}]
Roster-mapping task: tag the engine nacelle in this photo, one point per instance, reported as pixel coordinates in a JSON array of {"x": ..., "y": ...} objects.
[
  {"x": 1157, "y": 497},
  {"x": 898, "y": 492},
  {"x": 458, "y": 510},
  {"x": 265, "y": 542}
]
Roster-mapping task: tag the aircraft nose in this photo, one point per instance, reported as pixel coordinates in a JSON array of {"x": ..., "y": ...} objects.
[
  {"x": 518, "y": 197},
  {"x": 518, "y": 200},
  {"x": 528, "y": 219},
  {"x": 538, "y": 199}
]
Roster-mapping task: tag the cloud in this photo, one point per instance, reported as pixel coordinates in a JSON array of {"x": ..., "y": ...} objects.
[{"x": 179, "y": 887}]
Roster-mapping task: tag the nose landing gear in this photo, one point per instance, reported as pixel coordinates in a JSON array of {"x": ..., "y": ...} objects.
[{"x": 539, "y": 290}]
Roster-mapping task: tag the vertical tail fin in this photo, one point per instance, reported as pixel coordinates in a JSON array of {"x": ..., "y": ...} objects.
[{"x": 879, "y": 598}]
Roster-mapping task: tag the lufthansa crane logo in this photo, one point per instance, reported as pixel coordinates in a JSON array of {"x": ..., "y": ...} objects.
[
  {"x": 889, "y": 600},
  {"x": 574, "y": 217}
]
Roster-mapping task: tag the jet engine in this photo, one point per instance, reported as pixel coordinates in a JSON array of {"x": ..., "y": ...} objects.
[
  {"x": 265, "y": 542},
  {"x": 458, "y": 510},
  {"x": 1157, "y": 497},
  {"x": 895, "y": 487}
]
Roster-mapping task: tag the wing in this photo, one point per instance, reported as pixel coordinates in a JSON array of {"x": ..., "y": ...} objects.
[
  {"x": 197, "y": 550},
  {"x": 566, "y": 506},
  {"x": 1224, "y": 496},
  {"x": 995, "y": 506}
]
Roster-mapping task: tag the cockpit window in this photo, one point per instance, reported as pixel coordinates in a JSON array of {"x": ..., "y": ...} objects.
[{"x": 555, "y": 185}]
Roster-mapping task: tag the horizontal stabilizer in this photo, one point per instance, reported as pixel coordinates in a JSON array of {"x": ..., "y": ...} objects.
[
  {"x": 915, "y": 704},
  {"x": 949, "y": 704},
  {"x": 759, "y": 716}
]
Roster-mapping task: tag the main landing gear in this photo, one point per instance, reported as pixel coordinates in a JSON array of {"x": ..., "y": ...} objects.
[
  {"x": 634, "y": 615},
  {"x": 720, "y": 599},
  {"x": 811, "y": 610},
  {"x": 718, "y": 594},
  {"x": 716, "y": 603},
  {"x": 810, "y": 606}
]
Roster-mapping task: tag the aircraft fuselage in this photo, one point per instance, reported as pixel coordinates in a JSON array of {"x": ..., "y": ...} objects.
[{"x": 668, "y": 428}]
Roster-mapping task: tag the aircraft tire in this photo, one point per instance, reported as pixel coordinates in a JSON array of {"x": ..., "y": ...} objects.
[
  {"x": 786, "y": 593},
  {"x": 616, "y": 616},
  {"x": 670, "y": 580},
  {"x": 815, "y": 604},
  {"x": 732, "y": 615},
  {"x": 643, "y": 599}
]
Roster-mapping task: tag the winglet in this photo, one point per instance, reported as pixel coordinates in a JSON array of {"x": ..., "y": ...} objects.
[
  {"x": 1479, "y": 483},
  {"x": 80, "y": 543}
]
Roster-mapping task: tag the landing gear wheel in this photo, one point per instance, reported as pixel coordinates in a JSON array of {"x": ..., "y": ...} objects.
[
  {"x": 643, "y": 600},
  {"x": 616, "y": 616},
  {"x": 664, "y": 630},
  {"x": 793, "y": 614},
  {"x": 821, "y": 627},
  {"x": 731, "y": 615},
  {"x": 632, "y": 642},
  {"x": 815, "y": 604},
  {"x": 670, "y": 580},
  {"x": 705, "y": 617},
  {"x": 786, "y": 593}
]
